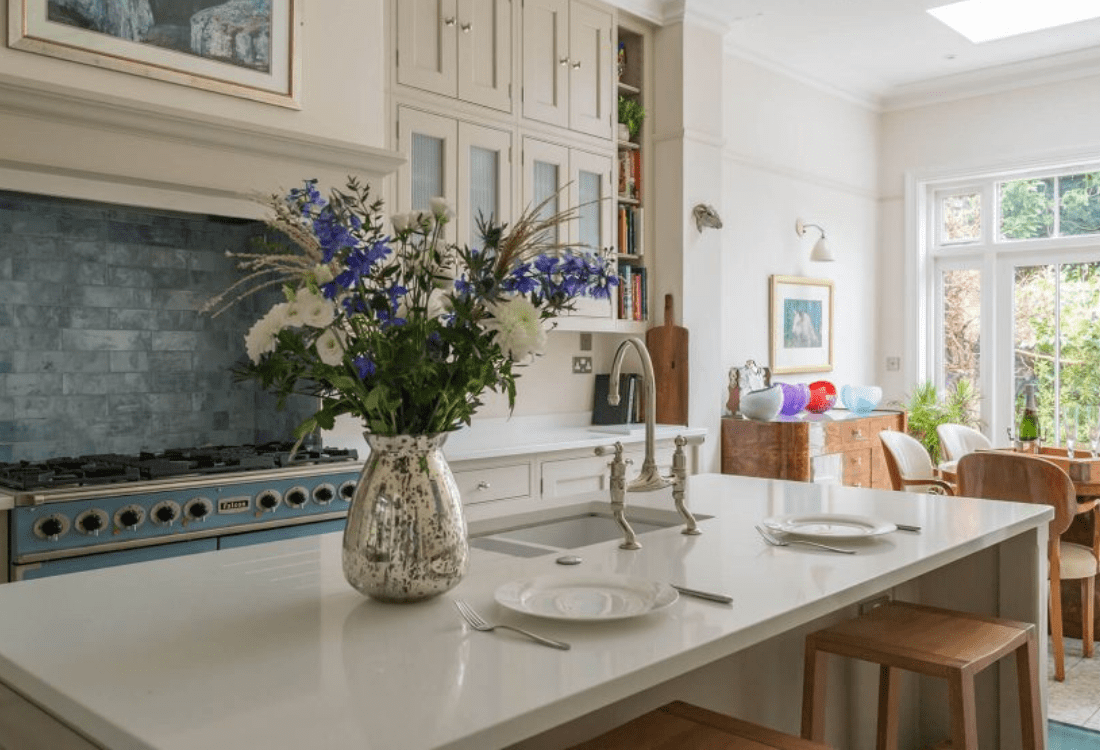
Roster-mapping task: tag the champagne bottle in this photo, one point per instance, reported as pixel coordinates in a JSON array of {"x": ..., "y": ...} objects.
[{"x": 1029, "y": 432}]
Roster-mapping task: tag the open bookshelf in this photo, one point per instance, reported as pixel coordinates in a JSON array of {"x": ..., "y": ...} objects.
[{"x": 630, "y": 225}]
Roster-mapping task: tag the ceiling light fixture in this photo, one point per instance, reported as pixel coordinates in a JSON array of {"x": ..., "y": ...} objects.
[
  {"x": 821, "y": 252},
  {"x": 984, "y": 20}
]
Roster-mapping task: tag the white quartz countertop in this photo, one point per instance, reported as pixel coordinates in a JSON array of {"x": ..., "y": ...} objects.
[{"x": 267, "y": 647}]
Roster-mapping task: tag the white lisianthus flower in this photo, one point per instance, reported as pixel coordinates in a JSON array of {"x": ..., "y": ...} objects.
[
  {"x": 322, "y": 273},
  {"x": 441, "y": 209},
  {"x": 518, "y": 327},
  {"x": 312, "y": 309},
  {"x": 400, "y": 222},
  {"x": 261, "y": 337},
  {"x": 330, "y": 348}
]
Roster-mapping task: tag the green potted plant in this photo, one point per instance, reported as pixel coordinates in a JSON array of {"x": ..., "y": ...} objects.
[
  {"x": 631, "y": 114},
  {"x": 926, "y": 410}
]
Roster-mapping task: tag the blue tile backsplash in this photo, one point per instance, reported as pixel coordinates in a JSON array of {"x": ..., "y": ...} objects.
[{"x": 102, "y": 345}]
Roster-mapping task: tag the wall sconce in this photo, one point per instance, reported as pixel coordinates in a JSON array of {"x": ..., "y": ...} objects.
[
  {"x": 706, "y": 216},
  {"x": 821, "y": 251}
]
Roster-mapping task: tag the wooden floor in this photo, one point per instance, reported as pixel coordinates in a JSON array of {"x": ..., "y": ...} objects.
[{"x": 1077, "y": 700}]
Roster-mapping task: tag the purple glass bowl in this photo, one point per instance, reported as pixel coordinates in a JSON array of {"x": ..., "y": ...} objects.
[{"x": 795, "y": 398}]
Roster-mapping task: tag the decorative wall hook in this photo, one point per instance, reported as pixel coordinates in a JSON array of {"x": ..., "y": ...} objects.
[{"x": 706, "y": 216}]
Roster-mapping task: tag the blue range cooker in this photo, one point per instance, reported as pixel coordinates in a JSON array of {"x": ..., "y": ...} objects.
[{"x": 74, "y": 514}]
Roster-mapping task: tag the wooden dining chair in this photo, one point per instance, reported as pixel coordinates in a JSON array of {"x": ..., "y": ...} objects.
[
  {"x": 1030, "y": 479},
  {"x": 909, "y": 465},
  {"x": 956, "y": 440}
]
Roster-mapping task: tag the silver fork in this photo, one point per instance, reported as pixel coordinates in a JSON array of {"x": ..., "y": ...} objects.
[
  {"x": 777, "y": 542},
  {"x": 474, "y": 620}
]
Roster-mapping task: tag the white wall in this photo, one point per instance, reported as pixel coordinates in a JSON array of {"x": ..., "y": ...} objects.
[
  {"x": 794, "y": 151},
  {"x": 1050, "y": 122}
]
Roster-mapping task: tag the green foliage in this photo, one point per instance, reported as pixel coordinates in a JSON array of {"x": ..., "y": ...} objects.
[
  {"x": 926, "y": 411},
  {"x": 1027, "y": 209},
  {"x": 631, "y": 114}
]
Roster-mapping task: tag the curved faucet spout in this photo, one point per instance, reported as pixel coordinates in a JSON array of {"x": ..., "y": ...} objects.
[{"x": 649, "y": 478}]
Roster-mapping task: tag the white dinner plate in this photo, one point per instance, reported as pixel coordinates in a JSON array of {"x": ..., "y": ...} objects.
[
  {"x": 829, "y": 525},
  {"x": 586, "y": 597}
]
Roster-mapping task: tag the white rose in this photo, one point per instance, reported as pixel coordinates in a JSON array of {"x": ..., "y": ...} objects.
[
  {"x": 261, "y": 337},
  {"x": 441, "y": 210},
  {"x": 312, "y": 309},
  {"x": 330, "y": 348},
  {"x": 519, "y": 329},
  {"x": 400, "y": 222}
]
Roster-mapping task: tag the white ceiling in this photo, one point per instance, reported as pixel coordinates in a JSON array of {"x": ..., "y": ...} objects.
[{"x": 892, "y": 53}]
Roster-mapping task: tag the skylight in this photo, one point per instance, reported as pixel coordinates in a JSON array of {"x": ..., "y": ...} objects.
[{"x": 983, "y": 20}]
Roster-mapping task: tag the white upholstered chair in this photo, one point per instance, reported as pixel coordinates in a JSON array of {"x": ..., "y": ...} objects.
[
  {"x": 956, "y": 440},
  {"x": 910, "y": 467}
]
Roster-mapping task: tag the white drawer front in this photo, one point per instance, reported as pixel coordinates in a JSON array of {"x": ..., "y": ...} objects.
[{"x": 494, "y": 483}]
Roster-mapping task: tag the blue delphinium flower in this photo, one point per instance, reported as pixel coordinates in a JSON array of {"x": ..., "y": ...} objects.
[{"x": 365, "y": 366}]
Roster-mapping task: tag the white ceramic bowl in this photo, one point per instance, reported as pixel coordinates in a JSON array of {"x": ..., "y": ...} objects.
[{"x": 762, "y": 405}]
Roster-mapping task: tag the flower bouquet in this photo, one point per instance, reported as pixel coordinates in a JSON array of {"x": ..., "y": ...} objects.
[{"x": 404, "y": 331}]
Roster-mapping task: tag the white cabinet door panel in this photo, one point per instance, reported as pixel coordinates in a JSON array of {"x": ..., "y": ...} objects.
[
  {"x": 590, "y": 65},
  {"x": 426, "y": 39},
  {"x": 485, "y": 53},
  {"x": 484, "y": 178},
  {"x": 431, "y": 144},
  {"x": 546, "y": 61},
  {"x": 590, "y": 192}
]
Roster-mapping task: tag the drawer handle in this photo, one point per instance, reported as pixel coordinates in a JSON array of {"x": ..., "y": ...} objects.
[
  {"x": 857, "y": 435},
  {"x": 483, "y": 485}
]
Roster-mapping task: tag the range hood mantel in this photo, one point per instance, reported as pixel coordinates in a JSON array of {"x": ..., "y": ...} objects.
[{"x": 67, "y": 143}]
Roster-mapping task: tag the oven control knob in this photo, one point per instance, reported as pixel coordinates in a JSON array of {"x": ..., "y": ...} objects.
[
  {"x": 51, "y": 527},
  {"x": 165, "y": 513},
  {"x": 198, "y": 508},
  {"x": 347, "y": 490},
  {"x": 130, "y": 517},
  {"x": 323, "y": 494},
  {"x": 296, "y": 497},
  {"x": 268, "y": 500},
  {"x": 91, "y": 522}
]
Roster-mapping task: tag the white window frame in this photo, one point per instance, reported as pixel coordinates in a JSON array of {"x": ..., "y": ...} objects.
[{"x": 926, "y": 257}]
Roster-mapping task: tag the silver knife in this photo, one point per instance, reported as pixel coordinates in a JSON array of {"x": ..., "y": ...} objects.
[{"x": 720, "y": 598}]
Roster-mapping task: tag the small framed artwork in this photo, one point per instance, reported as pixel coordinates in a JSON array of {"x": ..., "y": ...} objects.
[
  {"x": 801, "y": 318},
  {"x": 246, "y": 48}
]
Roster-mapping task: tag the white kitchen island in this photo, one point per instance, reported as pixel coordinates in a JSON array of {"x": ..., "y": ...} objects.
[{"x": 268, "y": 648}]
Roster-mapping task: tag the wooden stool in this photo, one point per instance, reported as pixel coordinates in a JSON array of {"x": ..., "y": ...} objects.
[
  {"x": 937, "y": 642},
  {"x": 681, "y": 726}
]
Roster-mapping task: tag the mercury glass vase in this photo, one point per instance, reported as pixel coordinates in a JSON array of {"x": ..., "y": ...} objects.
[{"x": 405, "y": 538}]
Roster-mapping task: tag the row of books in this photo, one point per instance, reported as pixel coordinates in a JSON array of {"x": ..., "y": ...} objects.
[
  {"x": 633, "y": 293},
  {"x": 630, "y": 174},
  {"x": 630, "y": 230}
]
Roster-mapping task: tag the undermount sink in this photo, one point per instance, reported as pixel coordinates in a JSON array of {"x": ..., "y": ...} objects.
[{"x": 567, "y": 527}]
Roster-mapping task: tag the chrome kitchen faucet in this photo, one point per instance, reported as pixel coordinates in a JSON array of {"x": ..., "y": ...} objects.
[{"x": 649, "y": 478}]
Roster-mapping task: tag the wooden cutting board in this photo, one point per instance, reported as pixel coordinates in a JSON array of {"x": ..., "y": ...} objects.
[{"x": 668, "y": 348}]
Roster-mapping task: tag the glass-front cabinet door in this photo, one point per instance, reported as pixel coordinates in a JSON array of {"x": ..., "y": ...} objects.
[{"x": 590, "y": 192}]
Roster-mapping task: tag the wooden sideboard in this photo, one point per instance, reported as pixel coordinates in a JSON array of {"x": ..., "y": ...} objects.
[{"x": 838, "y": 446}]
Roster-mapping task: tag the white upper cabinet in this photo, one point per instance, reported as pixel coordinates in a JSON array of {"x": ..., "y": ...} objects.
[
  {"x": 572, "y": 177},
  {"x": 468, "y": 164},
  {"x": 457, "y": 48},
  {"x": 567, "y": 65}
]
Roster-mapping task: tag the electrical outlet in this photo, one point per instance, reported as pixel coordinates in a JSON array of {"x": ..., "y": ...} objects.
[
  {"x": 582, "y": 365},
  {"x": 893, "y": 364}
]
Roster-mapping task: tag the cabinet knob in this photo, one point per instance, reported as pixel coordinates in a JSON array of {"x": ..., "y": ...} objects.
[
  {"x": 466, "y": 27},
  {"x": 563, "y": 61},
  {"x": 449, "y": 21},
  {"x": 857, "y": 434},
  {"x": 576, "y": 65},
  {"x": 483, "y": 485}
]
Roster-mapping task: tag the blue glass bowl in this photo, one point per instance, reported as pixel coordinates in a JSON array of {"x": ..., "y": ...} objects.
[{"x": 860, "y": 398}]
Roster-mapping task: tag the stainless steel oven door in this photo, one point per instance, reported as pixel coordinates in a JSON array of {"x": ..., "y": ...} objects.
[{"x": 28, "y": 571}]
